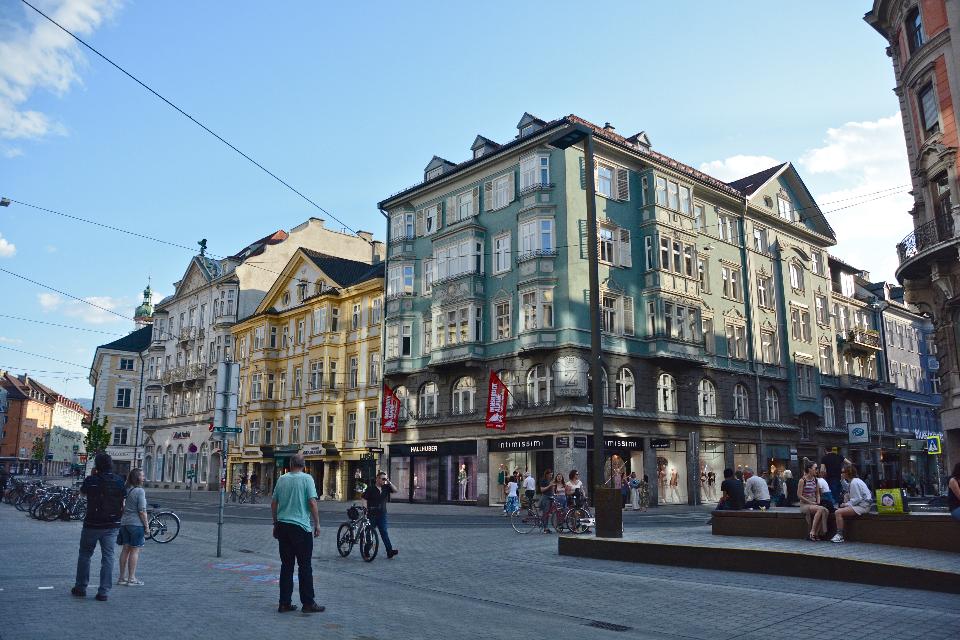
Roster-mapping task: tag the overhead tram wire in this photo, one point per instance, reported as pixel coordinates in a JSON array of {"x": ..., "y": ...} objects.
[
  {"x": 8, "y": 368},
  {"x": 38, "y": 355},
  {"x": 62, "y": 326},
  {"x": 190, "y": 117}
]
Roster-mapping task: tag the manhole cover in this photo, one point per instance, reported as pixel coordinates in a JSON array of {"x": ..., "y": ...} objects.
[{"x": 608, "y": 626}]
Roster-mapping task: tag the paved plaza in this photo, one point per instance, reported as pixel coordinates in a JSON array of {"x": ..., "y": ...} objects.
[{"x": 462, "y": 573}]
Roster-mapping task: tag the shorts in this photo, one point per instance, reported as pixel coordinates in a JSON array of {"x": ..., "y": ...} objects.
[
  {"x": 131, "y": 535},
  {"x": 860, "y": 510}
]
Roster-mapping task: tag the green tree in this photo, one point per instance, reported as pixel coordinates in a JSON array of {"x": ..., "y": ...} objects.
[
  {"x": 39, "y": 449},
  {"x": 98, "y": 436}
]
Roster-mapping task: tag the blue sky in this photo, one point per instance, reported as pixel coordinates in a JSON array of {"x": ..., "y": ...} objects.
[{"x": 348, "y": 103}]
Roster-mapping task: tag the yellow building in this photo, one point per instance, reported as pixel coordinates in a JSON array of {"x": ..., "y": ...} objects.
[{"x": 310, "y": 374}]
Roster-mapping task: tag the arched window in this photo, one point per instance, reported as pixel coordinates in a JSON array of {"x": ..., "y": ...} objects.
[
  {"x": 666, "y": 393},
  {"x": 603, "y": 388},
  {"x": 865, "y": 413},
  {"x": 512, "y": 382},
  {"x": 148, "y": 468},
  {"x": 796, "y": 276},
  {"x": 429, "y": 395},
  {"x": 741, "y": 403},
  {"x": 881, "y": 421},
  {"x": 171, "y": 462},
  {"x": 464, "y": 392},
  {"x": 202, "y": 463},
  {"x": 626, "y": 398},
  {"x": 539, "y": 385},
  {"x": 829, "y": 414},
  {"x": 849, "y": 413},
  {"x": 404, "y": 397},
  {"x": 773, "y": 405},
  {"x": 707, "y": 398},
  {"x": 181, "y": 471}
]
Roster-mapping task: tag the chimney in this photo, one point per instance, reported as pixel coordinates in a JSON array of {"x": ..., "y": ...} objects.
[
  {"x": 376, "y": 249},
  {"x": 609, "y": 127},
  {"x": 366, "y": 235}
]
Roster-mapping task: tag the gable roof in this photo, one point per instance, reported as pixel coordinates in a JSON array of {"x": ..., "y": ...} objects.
[
  {"x": 344, "y": 272},
  {"x": 257, "y": 247},
  {"x": 752, "y": 183},
  {"x": 480, "y": 142},
  {"x": 134, "y": 342}
]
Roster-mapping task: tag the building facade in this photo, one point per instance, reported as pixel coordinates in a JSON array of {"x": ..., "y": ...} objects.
[
  {"x": 717, "y": 300},
  {"x": 310, "y": 362},
  {"x": 64, "y": 440},
  {"x": 926, "y": 64},
  {"x": 118, "y": 377},
  {"x": 192, "y": 335},
  {"x": 29, "y": 418}
]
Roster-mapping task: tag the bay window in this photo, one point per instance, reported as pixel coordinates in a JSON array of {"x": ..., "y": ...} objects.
[{"x": 536, "y": 309}]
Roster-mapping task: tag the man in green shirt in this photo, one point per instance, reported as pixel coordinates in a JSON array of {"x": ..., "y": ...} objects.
[{"x": 295, "y": 515}]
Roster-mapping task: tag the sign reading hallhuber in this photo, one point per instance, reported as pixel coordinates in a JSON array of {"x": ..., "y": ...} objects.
[
  {"x": 497, "y": 403},
  {"x": 858, "y": 433},
  {"x": 521, "y": 444}
]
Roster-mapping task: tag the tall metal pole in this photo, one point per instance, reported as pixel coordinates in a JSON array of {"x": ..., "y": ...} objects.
[{"x": 596, "y": 358}]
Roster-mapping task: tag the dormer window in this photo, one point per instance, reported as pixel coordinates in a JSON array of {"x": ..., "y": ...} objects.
[
  {"x": 301, "y": 290},
  {"x": 528, "y": 129},
  {"x": 433, "y": 173},
  {"x": 477, "y": 153},
  {"x": 914, "y": 26},
  {"x": 786, "y": 209}
]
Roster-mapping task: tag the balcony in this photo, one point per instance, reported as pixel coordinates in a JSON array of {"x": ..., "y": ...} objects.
[
  {"x": 848, "y": 381},
  {"x": 923, "y": 241},
  {"x": 186, "y": 334},
  {"x": 860, "y": 340},
  {"x": 663, "y": 345},
  {"x": 225, "y": 319},
  {"x": 456, "y": 354},
  {"x": 190, "y": 372}
]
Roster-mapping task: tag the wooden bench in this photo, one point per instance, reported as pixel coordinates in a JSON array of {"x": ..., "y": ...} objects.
[{"x": 936, "y": 531}]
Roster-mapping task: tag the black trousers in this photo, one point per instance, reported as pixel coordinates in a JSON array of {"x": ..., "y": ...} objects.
[{"x": 295, "y": 545}]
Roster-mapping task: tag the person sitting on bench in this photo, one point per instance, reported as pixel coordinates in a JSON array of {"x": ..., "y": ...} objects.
[
  {"x": 757, "y": 495},
  {"x": 732, "y": 490}
]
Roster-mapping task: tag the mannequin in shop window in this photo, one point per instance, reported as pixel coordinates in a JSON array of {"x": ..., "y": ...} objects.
[
  {"x": 674, "y": 486},
  {"x": 614, "y": 471},
  {"x": 712, "y": 485},
  {"x": 662, "y": 480},
  {"x": 462, "y": 481}
]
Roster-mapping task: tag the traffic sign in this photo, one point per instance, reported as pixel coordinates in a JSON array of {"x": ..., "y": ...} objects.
[
  {"x": 228, "y": 429},
  {"x": 933, "y": 445}
]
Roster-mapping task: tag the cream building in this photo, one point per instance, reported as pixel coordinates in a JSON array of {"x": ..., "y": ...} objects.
[{"x": 192, "y": 334}]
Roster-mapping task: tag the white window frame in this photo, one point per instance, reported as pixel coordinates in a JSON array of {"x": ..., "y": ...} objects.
[
  {"x": 666, "y": 393},
  {"x": 501, "y": 253},
  {"x": 536, "y": 313},
  {"x": 707, "y": 398}
]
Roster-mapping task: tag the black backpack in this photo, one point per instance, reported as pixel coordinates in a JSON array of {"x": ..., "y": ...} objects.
[{"x": 105, "y": 500}]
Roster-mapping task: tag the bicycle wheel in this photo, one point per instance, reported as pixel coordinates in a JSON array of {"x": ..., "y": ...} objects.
[
  {"x": 79, "y": 511},
  {"x": 524, "y": 521},
  {"x": 577, "y": 519},
  {"x": 345, "y": 539},
  {"x": 50, "y": 510},
  {"x": 369, "y": 543},
  {"x": 164, "y": 527}
]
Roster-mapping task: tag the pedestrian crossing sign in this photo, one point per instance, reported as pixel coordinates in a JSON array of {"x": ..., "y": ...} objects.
[{"x": 933, "y": 445}]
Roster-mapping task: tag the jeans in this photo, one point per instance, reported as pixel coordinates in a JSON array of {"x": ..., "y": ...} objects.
[
  {"x": 295, "y": 545},
  {"x": 88, "y": 542},
  {"x": 836, "y": 489},
  {"x": 756, "y": 504},
  {"x": 529, "y": 493},
  {"x": 380, "y": 522}
]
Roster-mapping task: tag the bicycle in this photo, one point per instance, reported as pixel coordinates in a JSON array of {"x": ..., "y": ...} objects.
[
  {"x": 239, "y": 494},
  {"x": 254, "y": 495},
  {"x": 576, "y": 519},
  {"x": 163, "y": 526},
  {"x": 358, "y": 530}
]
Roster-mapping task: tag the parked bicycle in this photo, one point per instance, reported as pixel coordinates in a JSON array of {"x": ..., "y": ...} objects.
[
  {"x": 163, "y": 526},
  {"x": 239, "y": 493},
  {"x": 575, "y": 519},
  {"x": 358, "y": 530}
]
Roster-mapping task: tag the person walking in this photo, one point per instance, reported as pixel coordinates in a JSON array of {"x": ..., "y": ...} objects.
[
  {"x": 295, "y": 516},
  {"x": 644, "y": 493},
  {"x": 529, "y": 489},
  {"x": 634, "y": 491},
  {"x": 953, "y": 492},
  {"x": 512, "y": 505},
  {"x": 376, "y": 496},
  {"x": 104, "y": 491},
  {"x": 856, "y": 505},
  {"x": 133, "y": 528},
  {"x": 809, "y": 495}
]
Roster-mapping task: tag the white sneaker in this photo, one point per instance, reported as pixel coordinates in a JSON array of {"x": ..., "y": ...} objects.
[
  {"x": 122, "y": 582},
  {"x": 837, "y": 538},
  {"x": 134, "y": 583}
]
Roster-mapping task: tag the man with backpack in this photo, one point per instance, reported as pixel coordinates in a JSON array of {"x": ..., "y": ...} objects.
[{"x": 104, "y": 491}]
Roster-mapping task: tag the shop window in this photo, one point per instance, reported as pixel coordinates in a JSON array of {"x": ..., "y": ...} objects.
[
  {"x": 672, "y": 473},
  {"x": 707, "y": 398},
  {"x": 666, "y": 393}
]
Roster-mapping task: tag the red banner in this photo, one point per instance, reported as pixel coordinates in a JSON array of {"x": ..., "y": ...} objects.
[
  {"x": 390, "y": 413},
  {"x": 497, "y": 403}
]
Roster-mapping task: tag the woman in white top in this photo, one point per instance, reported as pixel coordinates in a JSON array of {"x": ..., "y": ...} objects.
[
  {"x": 572, "y": 486},
  {"x": 857, "y": 504}
]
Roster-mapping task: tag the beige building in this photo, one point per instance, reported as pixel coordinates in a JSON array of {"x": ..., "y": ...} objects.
[
  {"x": 192, "y": 334},
  {"x": 310, "y": 373}
]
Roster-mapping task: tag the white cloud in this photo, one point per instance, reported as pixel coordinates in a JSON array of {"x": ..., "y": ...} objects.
[
  {"x": 50, "y": 248},
  {"x": 6, "y": 340},
  {"x": 49, "y": 301},
  {"x": 859, "y": 146},
  {"x": 735, "y": 167},
  {"x": 38, "y": 55},
  {"x": 12, "y": 152},
  {"x": 7, "y": 248}
]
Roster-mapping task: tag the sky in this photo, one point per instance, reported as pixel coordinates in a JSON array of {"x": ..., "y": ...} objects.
[{"x": 349, "y": 101}]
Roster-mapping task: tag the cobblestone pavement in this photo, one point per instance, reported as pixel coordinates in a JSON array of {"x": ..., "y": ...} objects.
[{"x": 457, "y": 581}]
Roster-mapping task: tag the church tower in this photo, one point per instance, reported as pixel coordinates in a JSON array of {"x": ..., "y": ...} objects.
[{"x": 144, "y": 313}]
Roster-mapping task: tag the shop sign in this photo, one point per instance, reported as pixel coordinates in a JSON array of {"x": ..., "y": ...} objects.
[
  {"x": 660, "y": 443},
  {"x": 522, "y": 444},
  {"x": 858, "y": 433},
  {"x": 181, "y": 435},
  {"x": 570, "y": 374},
  {"x": 563, "y": 442},
  {"x": 460, "y": 447},
  {"x": 622, "y": 443},
  {"x": 579, "y": 442},
  {"x": 424, "y": 448},
  {"x": 375, "y": 449},
  {"x": 313, "y": 450},
  {"x": 923, "y": 435}
]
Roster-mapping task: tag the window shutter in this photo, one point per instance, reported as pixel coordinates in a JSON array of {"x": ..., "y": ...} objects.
[
  {"x": 623, "y": 184},
  {"x": 583, "y": 173},
  {"x": 584, "y": 249},
  {"x": 452, "y": 213},
  {"x": 627, "y": 315},
  {"x": 626, "y": 258},
  {"x": 421, "y": 228},
  {"x": 476, "y": 200},
  {"x": 488, "y": 195},
  {"x": 511, "y": 178}
]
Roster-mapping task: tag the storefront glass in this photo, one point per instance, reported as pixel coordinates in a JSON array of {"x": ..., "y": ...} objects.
[
  {"x": 744, "y": 455},
  {"x": 460, "y": 478},
  {"x": 711, "y": 470},
  {"x": 672, "y": 473},
  {"x": 400, "y": 476},
  {"x": 512, "y": 461}
]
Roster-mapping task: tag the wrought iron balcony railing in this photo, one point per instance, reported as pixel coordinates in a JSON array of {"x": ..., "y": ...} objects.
[{"x": 931, "y": 233}]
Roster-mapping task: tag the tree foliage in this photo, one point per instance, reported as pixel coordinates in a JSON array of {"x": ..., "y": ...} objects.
[
  {"x": 98, "y": 435},
  {"x": 39, "y": 449}
]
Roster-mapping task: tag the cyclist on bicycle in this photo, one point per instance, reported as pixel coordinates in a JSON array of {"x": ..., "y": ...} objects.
[
  {"x": 546, "y": 498},
  {"x": 576, "y": 496}
]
